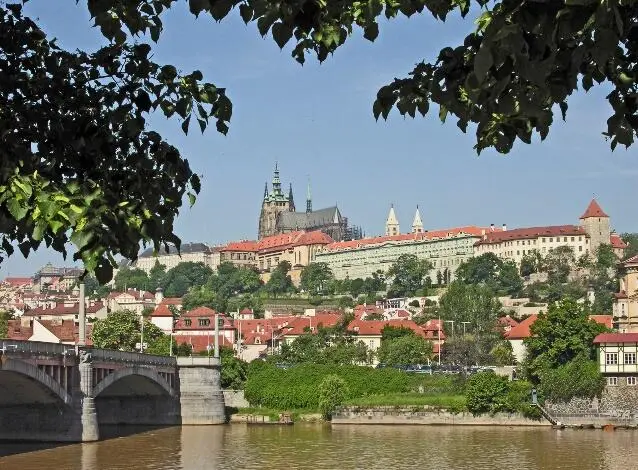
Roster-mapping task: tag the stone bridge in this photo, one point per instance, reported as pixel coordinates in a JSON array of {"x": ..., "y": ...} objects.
[{"x": 57, "y": 392}]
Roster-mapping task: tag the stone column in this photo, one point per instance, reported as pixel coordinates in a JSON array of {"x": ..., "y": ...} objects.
[
  {"x": 90, "y": 429},
  {"x": 201, "y": 396}
]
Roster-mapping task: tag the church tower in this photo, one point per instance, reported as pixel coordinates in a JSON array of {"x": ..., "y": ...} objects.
[
  {"x": 417, "y": 224},
  {"x": 392, "y": 224},
  {"x": 308, "y": 199},
  {"x": 596, "y": 224},
  {"x": 274, "y": 203}
]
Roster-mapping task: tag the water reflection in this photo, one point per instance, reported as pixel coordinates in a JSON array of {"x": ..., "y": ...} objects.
[{"x": 341, "y": 447}]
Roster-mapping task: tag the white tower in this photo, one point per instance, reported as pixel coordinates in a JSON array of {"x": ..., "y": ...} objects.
[
  {"x": 417, "y": 224},
  {"x": 392, "y": 224}
]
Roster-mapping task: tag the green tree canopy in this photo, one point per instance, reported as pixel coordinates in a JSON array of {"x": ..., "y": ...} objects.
[
  {"x": 122, "y": 330},
  {"x": 408, "y": 274},
  {"x": 490, "y": 270},
  {"x": 471, "y": 303},
  {"x": 315, "y": 278},
  {"x": 405, "y": 350},
  {"x": 4, "y": 322},
  {"x": 185, "y": 276},
  {"x": 156, "y": 276},
  {"x": 280, "y": 281},
  {"x": 559, "y": 263},
  {"x": 631, "y": 239},
  {"x": 131, "y": 278},
  {"x": 393, "y": 332},
  {"x": 559, "y": 336}
]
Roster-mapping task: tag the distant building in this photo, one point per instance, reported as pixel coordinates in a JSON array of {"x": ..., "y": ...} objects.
[
  {"x": 618, "y": 359},
  {"x": 625, "y": 308},
  {"x": 584, "y": 239},
  {"x": 193, "y": 252},
  {"x": 55, "y": 278},
  {"x": 279, "y": 215}
]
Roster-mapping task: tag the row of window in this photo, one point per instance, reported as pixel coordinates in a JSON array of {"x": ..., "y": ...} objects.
[
  {"x": 201, "y": 321},
  {"x": 613, "y": 381},
  {"x": 611, "y": 359}
]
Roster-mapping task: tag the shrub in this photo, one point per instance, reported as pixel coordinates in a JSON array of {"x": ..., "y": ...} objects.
[
  {"x": 578, "y": 378},
  {"x": 414, "y": 303},
  {"x": 486, "y": 392},
  {"x": 332, "y": 393}
]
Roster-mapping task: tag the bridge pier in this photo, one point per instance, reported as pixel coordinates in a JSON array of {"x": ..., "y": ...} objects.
[
  {"x": 84, "y": 401},
  {"x": 201, "y": 396}
]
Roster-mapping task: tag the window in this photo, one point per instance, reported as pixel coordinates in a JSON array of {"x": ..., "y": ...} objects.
[
  {"x": 204, "y": 321},
  {"x": 551, "y": 240},
  {"x": 631, "y": 380},
  {"x": 611, "y": 359},
  {"x": 630, "y": 358},
  {"x": 580, "y": 247},
  {"x": 187, "y": 322},
  {"x": 565, "y": 239},
  {"x": 612, "y": 381}
]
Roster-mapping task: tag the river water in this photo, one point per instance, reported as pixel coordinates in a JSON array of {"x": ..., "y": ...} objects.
[{"x": 302, "y": 446}]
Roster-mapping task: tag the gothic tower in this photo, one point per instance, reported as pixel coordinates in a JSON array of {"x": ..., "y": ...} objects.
[
  {"x": 392, "y": 224},
  {"x": 417, "y": 224},
  {"x": 274, "y": 203},
  {"x": 308, "y": 199},
  {"x": 596, "y": 224}
]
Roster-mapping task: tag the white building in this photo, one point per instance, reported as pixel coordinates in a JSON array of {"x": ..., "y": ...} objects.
[{"x": 193, "y": 252}]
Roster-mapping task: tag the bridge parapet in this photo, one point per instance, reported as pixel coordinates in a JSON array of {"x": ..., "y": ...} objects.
[
  {"x": 36, "y": 348},
  {"x": 112, "y": 355}
]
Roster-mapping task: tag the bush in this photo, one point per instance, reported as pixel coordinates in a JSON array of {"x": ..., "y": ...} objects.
[
  {"x": 414, "y": 303},
  {"x": 578, "y": 378},
  {"x": 486, "y": 392},
  {"x": 297, "y": 387},
  {"x": 332, "y": 393}
]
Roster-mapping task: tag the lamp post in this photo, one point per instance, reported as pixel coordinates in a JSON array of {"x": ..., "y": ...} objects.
[
  {"x": 439, "y": 340},
  {"x": 217, "y": 335},
  {"x": 82, "y": 317},
  {"x": 451, "y": 321},
  {"x": 464, "y": 323}
]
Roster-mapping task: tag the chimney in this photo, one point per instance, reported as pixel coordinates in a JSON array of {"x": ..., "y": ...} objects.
[
  {"x": 504, "y": 228},
  {"x": 491, "y": 227},
  {"x": 159, "y": 296}
]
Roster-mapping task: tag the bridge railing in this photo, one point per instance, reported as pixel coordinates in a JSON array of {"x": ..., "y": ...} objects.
[
  {"x": 36, "y": 347},
  {"x": 113, "y": 355}
]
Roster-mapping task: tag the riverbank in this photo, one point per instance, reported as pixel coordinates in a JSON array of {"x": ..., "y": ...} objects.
[{"x": 427, "y": 415}]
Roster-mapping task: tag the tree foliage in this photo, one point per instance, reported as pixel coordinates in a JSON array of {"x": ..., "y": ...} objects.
[
  {"x": 4, "y": 322},
  {"x": 280, "y": 281},
  {"x": 315, "y": 278},
  {"x": 560, "y": 336},
  {"x": 332, "y": 393},
  {"x": 131, "y": 278},
  {"x": 234, "y": 371},
  {"x": 405, "y": 350},
  {"x": 122, "y": 330},
  {"x": 579, "y": 378},
  {"x": 490, "y": 270},
  {"x": 471, "y": 303},
  {"x": 79, "y": 164},
  {"x": 185, "y": 276},
  {"x": 631, "y": 239},
  {"x": 408, "y": 274}
]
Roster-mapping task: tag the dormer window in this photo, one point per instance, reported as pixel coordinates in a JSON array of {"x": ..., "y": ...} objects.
[
  {"x": 204, "y": 321},
  {"x": 187, "y": 322}
]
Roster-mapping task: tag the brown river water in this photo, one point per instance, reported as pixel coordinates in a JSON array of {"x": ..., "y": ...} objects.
[{"x": 301, "y": 446}]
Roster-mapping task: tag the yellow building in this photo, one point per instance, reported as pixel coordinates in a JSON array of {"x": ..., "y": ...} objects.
[{"x": 625, "y": 309}]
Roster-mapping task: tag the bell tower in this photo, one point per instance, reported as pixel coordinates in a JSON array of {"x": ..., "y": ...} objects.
[{"x": 272, "y": 205}]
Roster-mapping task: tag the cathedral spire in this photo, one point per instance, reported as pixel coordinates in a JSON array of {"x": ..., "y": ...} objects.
[
  {"x": 291, "y": 199},
  {"x": 276, "y": 183},
  {"x": 417, "y": 224},
  {"x": 266, "y": 190},
  {"x": 308, "y": 198},
  {"x": 392, "y": 223}
]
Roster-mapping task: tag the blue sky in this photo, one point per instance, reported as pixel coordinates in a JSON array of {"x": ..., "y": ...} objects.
[{"x": 317, "y": 122}]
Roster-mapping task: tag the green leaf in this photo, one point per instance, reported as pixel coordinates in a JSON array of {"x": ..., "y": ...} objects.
[
  {"x": 281, "y": 33},
  {"x": 185, "y": 125},
  {"x": 371, "y": 32},
  {"x": 104, "y": 271},
  {"x": 220, "y": 9},
  {"x": 197, "y": 6},
  {"x": 482, "y": 62},
  {"x": 246, "y": 12},
  {"x": 17, "y": 208}
]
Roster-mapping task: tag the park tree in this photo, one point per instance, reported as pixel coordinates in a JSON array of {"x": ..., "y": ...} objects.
[
  {"x": 131, "y": 278},
  {"x": 315, "y": 278},
  {"x": 389, "y": 332},
  {"x": 280, "y": 281},
  {"x": 631, "y": 239},
  {"x": 122, "y": 330},
  {"x": 408, "y": 274},
  {"x": 472, "y": 303},
  {"x": 94, "y": 289},
  {"x": 185, "y": 276},
  {"x": 4, "y": 322},
  {"x": 559, "y": 263},
  {"x": 405, "y": 350},
  {"x": 491, "y": 271},
  {"x": 560, "y": 336},
  {"x": 531, "y": 263},
  {"x": 156, "y": 276}
]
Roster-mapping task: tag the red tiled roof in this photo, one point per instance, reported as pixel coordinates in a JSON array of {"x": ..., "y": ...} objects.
[
  {"x": 522, "y": 330},
  {"x": 507, "y": 321},
  {"x": 375, "y": 327},
  {"x": 199, "y": 312},
  {"x": 18, "y": 281},
  {"x": 65, "y": 330},
  {"x": 63, "y": 310},
  {"x": 162, "y": 311},
  {"x": 616, "y": 338},
  {"x": 245, "y": 245},
  {"x": 593, "y": 210},
  {"x": 298, "y": 325},
  {"x": 136, "y": 294},
  {"x": 530, "y": 232},
  {"x": 628, "y": 261},
  {"x": 245, "y": 311},
  {"x": 171, "y": 301},
  {"x": 430, "y": 235},
  {"x": 616, "y": 241}
]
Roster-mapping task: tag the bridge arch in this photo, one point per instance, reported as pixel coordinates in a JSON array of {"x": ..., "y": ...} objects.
[
  {"x": 37, "y": 377},
  {"x": 136, "y": 379}
]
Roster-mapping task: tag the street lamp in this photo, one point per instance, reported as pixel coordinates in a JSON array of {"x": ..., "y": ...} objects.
[
  {"x": 451, "y": 321},
  {"x": 464, "y": 323}
]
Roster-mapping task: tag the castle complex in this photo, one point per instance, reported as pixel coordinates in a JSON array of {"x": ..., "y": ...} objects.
[{"x": 279, "y": 215}]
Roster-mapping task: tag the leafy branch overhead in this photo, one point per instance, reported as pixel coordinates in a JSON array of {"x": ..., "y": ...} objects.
[
  {"x": 78, "y": 163},
  {"x": 511, "y": 74}
]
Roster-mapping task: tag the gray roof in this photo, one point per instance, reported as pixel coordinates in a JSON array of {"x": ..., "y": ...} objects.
[
  {"x": 304, "y": 220},
  {"x": 185, "y": 248}
]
